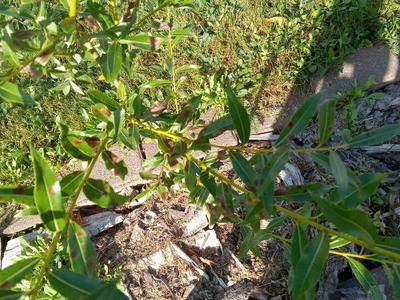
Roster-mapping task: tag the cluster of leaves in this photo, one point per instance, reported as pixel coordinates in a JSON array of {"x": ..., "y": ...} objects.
[{"x": 106, "y": 43}]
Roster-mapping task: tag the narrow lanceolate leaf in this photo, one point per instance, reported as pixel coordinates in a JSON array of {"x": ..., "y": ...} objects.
[
  {"x": 47, "y": 194},
  {"x": 326, "y": 119},
  {"x": 111, "y": 62},
  {"x": 11, "y": 93},
  {"x": 70, "y": 183},
  {"x": 72, "y": 285},
  {"x": 352, "y": 221},
  {"x": 393, "y": 275},
  {"x": 142, "y": 41},
  {"x": 9, "y": 53},
  {"x": 20, "y": 194},
  {"x": 129, "y": 137},
  {"x": 16, "y": 272},
  {"x": 299, "y": 242},
  {"x": 266, "y": 182},
  {"x": 300, "y": 119},
  {"x": 310, "y": 265},
  {"x": 239, "y": 116},
  {"x": 155, "y": 84},
  {"x": 112, "y": 162},
  {"x": 338, "y": 169},
  {"x": 10, "y": 295},
  {"x": 217, "y": 127},
  {"x": 367, "y": 186},
  {"x": 101, "y": 193},
  {"x": 100, "y": 97},
  {"x": 243, "y": 168},
  {"x": 81, "y": 251},
  {"x": 366, "y": 280},
  {"x": 376, "y": 136}
]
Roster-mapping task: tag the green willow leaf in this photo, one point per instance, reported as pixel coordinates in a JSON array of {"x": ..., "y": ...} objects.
[
  {"x": 338, "y": 169},
  {"x": 100, "y": 97},
  {"x": 393, "y": 275},
  {"x": 352, "y": 221},
  {"x": 302, "y": 193},
  {"x": 367, "y": 186},
  {"x": 112, "y": 162},
  {"x": 9, "y": 53},
  {"x": 239, "y": 115},
  {"x": 107, "y": 291},
  {"x": 101, "y": 193},
  {"x": 326, "y": 119},
  {"x": 20, "y": 194},
  {"x": 266, "y": 180},
  {"x": 366, "y": 280},
  {"x": 243, "y": 168},
  {"x": 390, "y": 243},
  {"x": 155, "y": 84},
  {"x": 11, "y": 93},
  {"x": 16, "y": 272},
  {"x": 10, "y": 295},
  {"x": 72, "y": 285},
  {"x": 310, "y": 265},
  {"x": 111, "y": 62},
  {"x": 299, "y": 242},
  {"x": 81, "y": 251},
  {"x": 70, "y": 183},
  {"x": 376, "y": 136},
  {"x": 142, "y": 41},
  {"x": 47, "y": 194},
  {"x": 300, "y": 119},
  {"x": 129, "y": 137}
]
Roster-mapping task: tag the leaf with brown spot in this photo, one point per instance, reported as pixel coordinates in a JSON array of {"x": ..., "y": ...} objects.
[
  {"x": 112, "y": 162},
  {"x": 102, "y": 193},
  {"x": 47, "y": 194},
  {"x": 20, "y": 194},
  {"x": 81, "y": 251}
]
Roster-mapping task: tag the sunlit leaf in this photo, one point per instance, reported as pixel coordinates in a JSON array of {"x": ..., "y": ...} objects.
[
  {"x": 70, "y": 183},
  {"x": 47, "y": 194},
  {"x": 142, "y": 41},
  {"x": 100, "y": 97},
  {"x": 20, "y": 194},
  {"x": 129, "y": 137},
  {"x": 15, "y": 273},
  {"x": 239, "y": 116},
  {"x": 101, "y": 193},
  {"x": 11, "y": 93},
  {"x": 81, "y": 251},
  {"x": 9, "y": 53},
  {"x": 112, "y": 162},
  {"x": 111, "y": 62}
]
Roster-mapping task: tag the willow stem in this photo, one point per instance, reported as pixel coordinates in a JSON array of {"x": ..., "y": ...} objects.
[
  {"x": 73, "y": 8},
  {"x": 344, "y": 254},
  {"x": 302, "y": 219},
  {"x": 56, "y": 239},
  {"x": 181, "y": 138}
]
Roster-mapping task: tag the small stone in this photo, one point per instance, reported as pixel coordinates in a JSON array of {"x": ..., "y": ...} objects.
[
  {"x": 197, "y": 223},
  {"x": 395, "y": 102},
  {"x": 383, "y": 104},
  {"x": 363, "y": 108}
]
